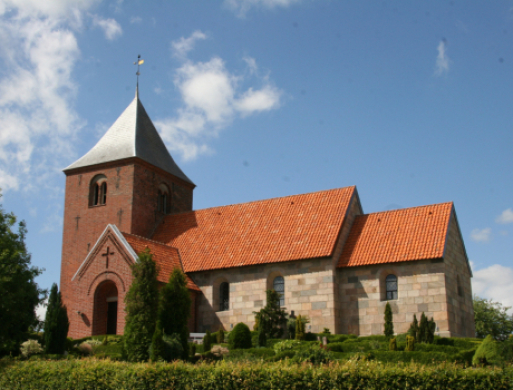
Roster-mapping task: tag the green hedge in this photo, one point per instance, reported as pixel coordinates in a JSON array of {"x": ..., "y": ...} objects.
[{"x": 100, "y": 375}]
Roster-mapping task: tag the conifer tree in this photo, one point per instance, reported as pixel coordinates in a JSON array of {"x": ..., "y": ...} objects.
[
  {"x": 414, "y": 328},
  {"x": 175, "y": 308},
  {"x": 141, "y": 304},
  {"x": 271, "y": 318},
  {"x": 389, "y": 321},
  {"x": 220, "y": 336},
  {"x": 56, "y": 323},
  {"x": 207, "y": 344},
  {"x": 300, "y": 328},
  {"x": 431, "y": 328},
  {"x": 423, "y": 328},
  {"x": 157, "y": 349}
]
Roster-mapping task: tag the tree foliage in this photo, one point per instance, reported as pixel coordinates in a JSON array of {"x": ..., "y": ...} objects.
[
  {"x": 271, "y": 319},
  {"x": 207, "y": 342},
  {"x": 300, "y": 327},
  {"x": 175, "y": 308},
  {"x": 56, "y": 323},
  {"x": 20, "y": 292},
  {"x": 389, "y": 321},
  {"x": 492, "y": 318},
  {"x": 240, "y": 337},
  {"x": 414, "y": 329},
  {"x": 141, "y": 304}
]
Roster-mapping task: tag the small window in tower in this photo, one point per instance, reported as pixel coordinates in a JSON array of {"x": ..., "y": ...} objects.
[
  {"x": 163, "y": 200},
  {"x": 98, "y": 191},
  {"x": 391, "y": 285}
]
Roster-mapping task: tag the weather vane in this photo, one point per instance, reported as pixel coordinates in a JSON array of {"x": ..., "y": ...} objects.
[{"x": 139, "y": 62}]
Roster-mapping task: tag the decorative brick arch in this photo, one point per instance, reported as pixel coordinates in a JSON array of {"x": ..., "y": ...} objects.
[{"x": 107, "y": 275}]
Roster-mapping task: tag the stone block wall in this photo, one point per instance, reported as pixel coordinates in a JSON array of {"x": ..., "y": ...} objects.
[
  {"x": 309, "y": 290},
  {"x": 458, "y": 281},
  {"x": 421, "y": 288}
]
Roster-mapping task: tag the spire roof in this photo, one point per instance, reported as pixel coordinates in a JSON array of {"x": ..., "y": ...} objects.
[{"x": 132, "y": 135}]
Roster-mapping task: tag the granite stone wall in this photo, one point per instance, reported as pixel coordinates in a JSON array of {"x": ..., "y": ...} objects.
[{"x": 309, "y": 290}]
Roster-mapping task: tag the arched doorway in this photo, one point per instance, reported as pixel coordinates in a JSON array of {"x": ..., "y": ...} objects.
[{"x": 105, "y": 316}]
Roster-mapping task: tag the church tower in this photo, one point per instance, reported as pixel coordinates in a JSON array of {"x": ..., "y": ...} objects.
[{"x": 128, "y": 179}]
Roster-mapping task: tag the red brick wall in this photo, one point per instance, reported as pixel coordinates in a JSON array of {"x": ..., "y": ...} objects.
[{"x": 132, "y": 189}]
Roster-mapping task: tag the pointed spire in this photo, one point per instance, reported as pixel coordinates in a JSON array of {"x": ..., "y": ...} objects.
[{"x": 132, "y": 135}]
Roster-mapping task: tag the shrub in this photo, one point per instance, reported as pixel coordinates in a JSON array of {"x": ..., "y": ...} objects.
[
  {"x": 175, "y": 308},
  {"x": 487, "y": 353},
  {"x": 56, "y": 323},
  {"x": 240, "y": 337},
  {"x": 141, "y": 308},
  {"x": 286, "y": 345},
  {"x": 313, "y": 354},
  {"x": 300, "y": 327},
  {"x": 310, "y": 336},
  {"x": 30, "y": 347},
  {"x": 414, "y": 328},
  {"x": 157, "y": 344},
  {"x": 410, "y": 343},
  {"x": 220, "y": 336},
  {"x": 207, "y": 342},
  {"x": 389, "y": 321},
  {"x": 507, "y": 350},
  {"x": 393, "y": 344},
  {"x": 219, "y": 351},
  {"x": 444, "y": 341},
  {"x": 271, "y": 319},
  {"x": 338, "y": 338}
]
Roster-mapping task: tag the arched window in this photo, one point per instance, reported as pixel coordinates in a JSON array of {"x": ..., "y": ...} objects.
[
  {"x": 98, "y": 191},
  {"x": 279, "y": 287},
  {"x": 224, "y": 296},
  {"x": 163, "y": 199},
  {"x": 391, "y": 285}
]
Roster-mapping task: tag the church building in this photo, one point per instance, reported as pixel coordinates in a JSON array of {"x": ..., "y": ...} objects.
[{"x": 327, "y": 259}]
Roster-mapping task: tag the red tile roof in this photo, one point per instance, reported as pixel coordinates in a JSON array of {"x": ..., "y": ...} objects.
[
  {"x": 415, "y": 233},
  {"x": 166, "y": 257},
  {"x": 267, "y": 231}
]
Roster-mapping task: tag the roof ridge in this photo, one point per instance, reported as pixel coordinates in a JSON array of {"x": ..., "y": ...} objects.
[
  {"x": 407, "y": 208},
  {"x": 260, "y": 200}
]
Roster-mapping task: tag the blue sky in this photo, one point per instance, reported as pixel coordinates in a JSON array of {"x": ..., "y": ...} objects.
[{"x": 409, "y": 101}]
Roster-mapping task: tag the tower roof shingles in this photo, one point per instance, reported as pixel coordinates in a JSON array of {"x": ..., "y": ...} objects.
[{"x": 132, "y": 135}]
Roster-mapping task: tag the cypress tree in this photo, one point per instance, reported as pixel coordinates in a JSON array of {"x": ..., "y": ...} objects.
[
  {"x": 410, "y": 343},
  {"x": 157, "y": 348},
  {"x": 175, "y": 308},
  {"x": 220, "y": 336},
  {"x": 431, "y": 328},
  {"x": 300, "y": 328},
  {"x": 56, "y": 323},
  {"x": 389, "y": 321},
  {"x": 414, "y": 328},
  {"x": 423, "y": 328},
  {"x": 141, "y": 304},
  {"x": 206, "y": 342}
]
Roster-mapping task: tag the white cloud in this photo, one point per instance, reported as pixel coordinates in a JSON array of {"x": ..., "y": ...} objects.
[
  {"x": 41, "y": 310},
  {"x": 442, "y": 60},
  {"x": 481, "y": 235},
  {"x": 38, "y": 51},
  {"x": 241, "y": 7},
  {"x": 135, "y": 19},
  {"x": 495, "y": 283},
  {"x": 212, "y": 99},
  {"x": 183, "y": 45},
  {"x": 110, "y": 27},
  {"x": 505, "y": 217}
]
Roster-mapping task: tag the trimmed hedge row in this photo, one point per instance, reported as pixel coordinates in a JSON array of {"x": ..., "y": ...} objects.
[{"x": 99, "y": 375}]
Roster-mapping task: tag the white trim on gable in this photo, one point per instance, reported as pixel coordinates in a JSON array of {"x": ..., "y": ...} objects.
[{"x": 91, "y": 253}]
